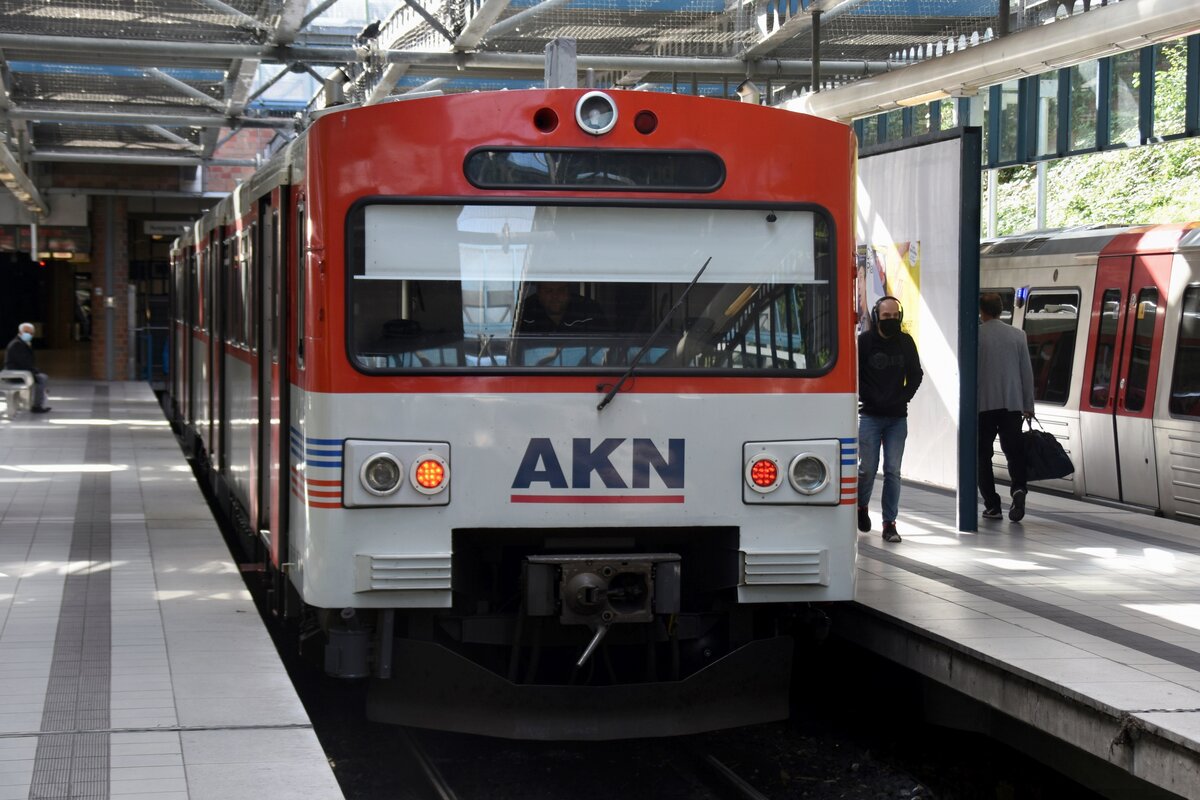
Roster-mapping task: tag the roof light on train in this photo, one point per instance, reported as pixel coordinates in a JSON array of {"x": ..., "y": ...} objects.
[
  {"x": 808, "y": 474},
  {"x": 596, "y": 113},
  {"x": 762, "y": 473},
  {"x": 430, "y": 474},
  {"x": 381, "y": 474}
]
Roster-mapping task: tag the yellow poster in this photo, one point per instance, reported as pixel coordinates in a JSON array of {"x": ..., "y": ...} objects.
[{"x": 891, "y": 269}]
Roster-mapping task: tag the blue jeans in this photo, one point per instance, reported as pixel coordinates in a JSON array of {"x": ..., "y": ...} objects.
[{"x": 891, "y": 433}]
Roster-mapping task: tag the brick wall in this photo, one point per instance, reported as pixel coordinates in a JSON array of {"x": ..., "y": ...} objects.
[{"x": 246, "y": 144}]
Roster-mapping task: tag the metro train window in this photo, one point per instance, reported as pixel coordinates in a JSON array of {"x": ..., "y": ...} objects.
[
  {"x": 484, "y": 287},
  {"x": 1106, "y": 348},
  {"x": 1051, "y": 323},
  {"x": 1185, "y": 378},
  {"x": 619, "y": 170},
  {"x": 1138, "y": 375}
]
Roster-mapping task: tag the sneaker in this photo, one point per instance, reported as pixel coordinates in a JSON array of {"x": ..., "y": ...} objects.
[
  {"x": 864, "y": 519},
  {"x": 993, "y": 513},
  {"x": 1017, "y": 512},
  {"x": 889, "y": 532},
  {"x": 40, "y": 409}
]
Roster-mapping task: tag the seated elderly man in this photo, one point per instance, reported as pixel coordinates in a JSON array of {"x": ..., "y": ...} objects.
[{"x": 19, "y": 356}]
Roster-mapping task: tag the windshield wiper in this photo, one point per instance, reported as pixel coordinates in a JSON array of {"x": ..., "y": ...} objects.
[{"x": 646, "y": 347}]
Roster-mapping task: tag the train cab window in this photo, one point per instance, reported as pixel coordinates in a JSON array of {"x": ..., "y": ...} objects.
[
  {"x": 1051, "y": 323},
  {"x": 1106, "y": 348},
  {"x": 484, "y": 287},
  {"x": 1185, "y": 378},
  {"x": 1138, "y": 376}
]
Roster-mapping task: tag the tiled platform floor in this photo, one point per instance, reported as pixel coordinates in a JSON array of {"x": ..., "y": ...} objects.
[
  {"x": 132, "y": 660},
  {"x": 1095, "y": 605}
]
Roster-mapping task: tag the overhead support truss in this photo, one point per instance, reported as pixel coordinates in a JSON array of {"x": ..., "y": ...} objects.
[{"x": 16, "y": 181}]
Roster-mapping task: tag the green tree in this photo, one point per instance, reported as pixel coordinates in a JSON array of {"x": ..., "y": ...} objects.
[{"x": 1154, "y": 183}]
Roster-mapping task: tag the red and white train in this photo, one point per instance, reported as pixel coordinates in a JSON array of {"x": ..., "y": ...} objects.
[
  {"x": 603, "y": 529},
  {"x": 1113, "y": 321}
]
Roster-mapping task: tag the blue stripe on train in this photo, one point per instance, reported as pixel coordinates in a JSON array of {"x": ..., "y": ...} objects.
[{"x": 337, "y": 464}]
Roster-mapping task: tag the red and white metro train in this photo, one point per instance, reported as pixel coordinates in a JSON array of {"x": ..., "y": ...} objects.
[
  {"x": 1113, "y": 321},
  {"x": 603, "y": 522}
]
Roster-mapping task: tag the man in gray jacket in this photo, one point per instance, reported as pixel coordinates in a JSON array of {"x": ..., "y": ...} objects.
[{"x": 1005, "y": 400}]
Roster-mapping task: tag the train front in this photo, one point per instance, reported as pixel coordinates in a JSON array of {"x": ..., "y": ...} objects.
[{"x": 577, "y": 407}]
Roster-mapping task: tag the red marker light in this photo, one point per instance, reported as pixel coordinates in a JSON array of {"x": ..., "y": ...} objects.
[
  {"x": 429, "y": 474},
  {"x": 764, "y": 472}
]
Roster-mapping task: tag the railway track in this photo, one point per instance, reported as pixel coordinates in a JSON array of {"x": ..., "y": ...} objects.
[{"x": 453, "y": 772}]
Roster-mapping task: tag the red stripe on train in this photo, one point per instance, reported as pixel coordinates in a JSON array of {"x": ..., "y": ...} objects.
[{"x": 593, "y": 498}]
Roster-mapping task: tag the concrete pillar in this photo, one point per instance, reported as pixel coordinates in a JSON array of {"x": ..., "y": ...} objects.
[{"x": 110, "y": 293}]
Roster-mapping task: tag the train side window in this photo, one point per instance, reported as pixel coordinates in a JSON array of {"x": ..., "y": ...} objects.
[
  {"x": 1138, "y": 375},
  {"x": 1051, "y": 324},
  {"x": 1185, "y": 379},
  {"x": 1106, "y": 348}
]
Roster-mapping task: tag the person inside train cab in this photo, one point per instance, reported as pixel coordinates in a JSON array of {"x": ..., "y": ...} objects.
[
  {"x": 889, "y": 373},
  {"x": 554, "y": 308},
  {"x": 19, "y": 356},
  {"x": 1005, "y": 400}
]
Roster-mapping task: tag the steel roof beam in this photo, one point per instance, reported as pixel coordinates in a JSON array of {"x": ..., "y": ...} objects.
[
  {"x": 387, "y": 82},
  {"x": 433, "y": 21},
  {"x": 797, "y": 24},
  {"x": 289, "y": 22},
  {"x": 1100, "y": 32},
  {"x": 469, "y": 39},
  {"x": 316, "y": 12},
  {"x": 171, "y": 136},
  {"x": 244, "y": 19},
  {"x": 17, "y": 182},
  {"x": 480, "y": 23},
  {"x": 142, "y": 118},
  {"x": 506, "y": 26},
  {"x": 533, "y": 62},
  {"x": 184, "y": 88},
  {"x": 5, "y": 82},
  {"x": 119, "y": 157}
]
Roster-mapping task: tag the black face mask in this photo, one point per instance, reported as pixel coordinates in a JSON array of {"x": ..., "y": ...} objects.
[{"x": 889, "y": 327}]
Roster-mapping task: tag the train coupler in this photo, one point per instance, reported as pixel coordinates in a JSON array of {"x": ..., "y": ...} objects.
[{"x": 602, "y": 590}]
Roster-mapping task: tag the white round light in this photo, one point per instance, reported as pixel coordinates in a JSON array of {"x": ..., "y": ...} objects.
[
  {"x": 381, "y": 474},
  {"x": 596, "y": 113},
  {"x": 808, "y": 474}
]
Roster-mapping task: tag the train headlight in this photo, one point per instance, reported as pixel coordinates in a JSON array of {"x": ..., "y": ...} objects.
[
  {"x": 808, "y": 474},
  {"x": 430, "y": 474},
  {"x": 381, "y": 474},
  {"x": 762, "y": 474},
  {"x": 596, "y": 113}
]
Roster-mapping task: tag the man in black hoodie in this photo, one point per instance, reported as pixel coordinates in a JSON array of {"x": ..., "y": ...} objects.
[{"x": 889, "y": 372}]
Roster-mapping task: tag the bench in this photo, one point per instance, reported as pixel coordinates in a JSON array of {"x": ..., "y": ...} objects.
[{"x": 17, "y": 387}]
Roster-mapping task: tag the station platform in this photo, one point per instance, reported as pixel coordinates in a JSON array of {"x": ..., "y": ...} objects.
[
  {"x": 132, "y": 660},
  {"x": 1078, "y": 626}
]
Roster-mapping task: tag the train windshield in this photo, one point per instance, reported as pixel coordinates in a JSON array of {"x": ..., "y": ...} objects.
[{"x": 575, "y": 287}]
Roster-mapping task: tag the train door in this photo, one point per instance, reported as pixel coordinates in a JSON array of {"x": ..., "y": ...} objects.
[
  {"x": 270, "y": 375},
  {"x": 1116, "y": 417},
  {"x": 225, "y": 315}
]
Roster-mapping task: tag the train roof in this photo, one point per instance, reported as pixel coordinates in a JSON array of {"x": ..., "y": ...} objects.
[
  {"x": 1080, "y": 239},
  {"x": 1096, "y": 239}
]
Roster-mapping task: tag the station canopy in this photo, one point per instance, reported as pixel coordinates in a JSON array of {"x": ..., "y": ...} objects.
[{"x": 176, "y": 81}]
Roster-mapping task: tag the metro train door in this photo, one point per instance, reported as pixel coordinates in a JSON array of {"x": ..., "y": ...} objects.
[
  {"x": 1125, "y": 342},
  {"x": 270, "y": 332}
]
